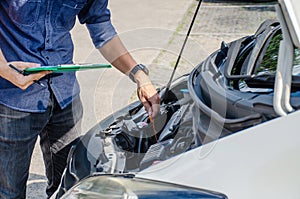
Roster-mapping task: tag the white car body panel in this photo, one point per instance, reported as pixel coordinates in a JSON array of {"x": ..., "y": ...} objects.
[
  {"x": 291, "y": 14},
  {"x": 259, "y": 162}
]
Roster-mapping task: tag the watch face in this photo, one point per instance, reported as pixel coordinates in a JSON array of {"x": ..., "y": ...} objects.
[{"x": 144, "y": 68}]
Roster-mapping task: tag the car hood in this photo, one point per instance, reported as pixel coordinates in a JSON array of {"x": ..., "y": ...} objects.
[{"x": 289, "y": 11}]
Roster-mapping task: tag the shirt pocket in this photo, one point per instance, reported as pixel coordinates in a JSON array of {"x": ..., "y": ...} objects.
[
  {"x": 66, "y": 16},
  {"x": 24, "y": 12}
]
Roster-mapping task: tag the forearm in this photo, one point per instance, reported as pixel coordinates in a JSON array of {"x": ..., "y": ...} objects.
[
  {"x": 115, "y": 52},
  {"x": 3, "y": 65}
]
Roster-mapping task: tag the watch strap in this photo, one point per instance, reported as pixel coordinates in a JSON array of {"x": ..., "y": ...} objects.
[{"x": 135, "y": 69}]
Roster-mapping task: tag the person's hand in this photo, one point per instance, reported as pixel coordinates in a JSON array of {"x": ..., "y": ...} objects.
[
  {"x": 150, "y": 99},
  {"x": 147, "y": 93},
  {"x": 18, "y": 79}
]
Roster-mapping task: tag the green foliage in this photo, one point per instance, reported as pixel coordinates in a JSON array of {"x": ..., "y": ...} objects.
[
  {"x": 269, "y": 62},
  {"x": 297, "y": 57}
]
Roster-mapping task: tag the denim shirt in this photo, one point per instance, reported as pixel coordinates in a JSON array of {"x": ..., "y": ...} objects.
[{"x": 39, "y": 31}]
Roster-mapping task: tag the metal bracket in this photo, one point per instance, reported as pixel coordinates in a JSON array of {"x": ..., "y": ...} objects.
[{"x": 282, "y": 89}]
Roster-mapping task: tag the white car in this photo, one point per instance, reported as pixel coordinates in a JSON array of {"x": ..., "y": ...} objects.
[{"x": 229, "y": 129}]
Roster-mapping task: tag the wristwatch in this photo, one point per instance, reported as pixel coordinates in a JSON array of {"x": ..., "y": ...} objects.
[{"x": 136, "y": 69}]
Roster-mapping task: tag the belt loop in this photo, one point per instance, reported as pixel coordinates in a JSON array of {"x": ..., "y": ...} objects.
[
  {"x": 52, "y": 97},
  {"x": 49, "y": 79}
]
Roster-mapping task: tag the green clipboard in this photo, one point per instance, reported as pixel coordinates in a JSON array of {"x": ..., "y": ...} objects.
[{"x": 66, "y": 68}]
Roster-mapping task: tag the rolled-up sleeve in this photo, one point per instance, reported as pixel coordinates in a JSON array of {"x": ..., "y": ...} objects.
[
  {"x": 96, "y": 16},
  {"x": 101, "y": 33}
]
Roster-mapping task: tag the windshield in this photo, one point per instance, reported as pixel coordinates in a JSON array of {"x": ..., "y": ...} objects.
[
  {"x": 260, "y": 76},
  {"x": 270, "y": 57}
]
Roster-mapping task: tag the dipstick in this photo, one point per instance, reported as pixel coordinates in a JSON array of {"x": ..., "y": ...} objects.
[{"x": 153, "y": 127}]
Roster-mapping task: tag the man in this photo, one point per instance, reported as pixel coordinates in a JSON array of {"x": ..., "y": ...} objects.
[{"x": 34, "y": 33}]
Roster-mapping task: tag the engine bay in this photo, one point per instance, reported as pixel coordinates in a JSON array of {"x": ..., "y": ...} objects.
[{"x": 132, "y": 142}]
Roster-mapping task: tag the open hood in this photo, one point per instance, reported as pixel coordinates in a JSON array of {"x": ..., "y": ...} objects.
[{"x": 290, "y": 11}]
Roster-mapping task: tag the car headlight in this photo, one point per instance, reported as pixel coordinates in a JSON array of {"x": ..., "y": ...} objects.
[{"x": 126, "y": 187}]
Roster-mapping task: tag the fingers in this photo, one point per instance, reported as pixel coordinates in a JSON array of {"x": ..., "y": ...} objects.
[
  {"x": 150, "y": 99},
  {"x": 155, "y": 109},
  {"x": 154, "y": 102},
  {"x": 152, "y": 106},
  {"x": 24, "y": 65},
  {"x": 21, "y": 81},
  {"x": 39, "y": 75},
  {"x": 32, "y": 78},
  {"x": 147, "y": 106}
]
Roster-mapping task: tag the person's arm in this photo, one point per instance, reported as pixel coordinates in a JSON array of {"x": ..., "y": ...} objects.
[
  {"x": 96, "y": 16},
  {"x": 16, "y": 78},
  {"x": 116, "y": 53}
]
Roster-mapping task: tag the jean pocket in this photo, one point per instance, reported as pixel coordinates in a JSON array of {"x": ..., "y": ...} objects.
[
  {"x": 24, "y": 12},
  {"x": 66, "y": 16}
]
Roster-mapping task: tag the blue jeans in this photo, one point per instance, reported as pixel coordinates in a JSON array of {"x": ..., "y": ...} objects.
[{"x": 18, "y": 133}]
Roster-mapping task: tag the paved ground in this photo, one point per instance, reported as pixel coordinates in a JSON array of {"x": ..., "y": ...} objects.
[{"x": 153, "y": 31}]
